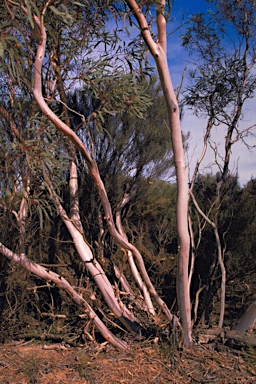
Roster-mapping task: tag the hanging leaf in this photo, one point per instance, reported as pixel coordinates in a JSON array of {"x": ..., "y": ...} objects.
[
  {"x": 29, "y": 14},
  {"x": 1, "y": 49},
  {"x": 55, "y": 10}
]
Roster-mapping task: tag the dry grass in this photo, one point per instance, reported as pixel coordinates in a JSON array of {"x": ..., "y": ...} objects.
[{"x": 143, "y": 363}]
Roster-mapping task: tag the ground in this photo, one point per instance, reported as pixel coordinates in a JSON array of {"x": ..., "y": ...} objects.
[{"x": 145, "y": 362}]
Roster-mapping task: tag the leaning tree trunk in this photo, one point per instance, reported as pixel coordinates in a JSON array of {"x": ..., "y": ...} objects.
[
  {"x": 93, "y": 266},
  {"x": 159, "y": 53},
  {"x": 92, "y": 166},
  {"x": 248, "y": 320},
  {"x": 62, "y": 283},
  {"x": 131, "y": 261}
]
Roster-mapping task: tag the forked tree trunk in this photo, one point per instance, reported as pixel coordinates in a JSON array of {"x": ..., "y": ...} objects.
[
  {"x": 93, "y": 266},
  {"x": 60, "y": 281},
  {"x": 116, "y": 306},
  {"x": 92, "y": 166}
]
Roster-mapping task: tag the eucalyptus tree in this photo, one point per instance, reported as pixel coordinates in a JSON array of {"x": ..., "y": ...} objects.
[
  {"x": 46, "y": 49},
  {"x": 223, "y": 42},
  {"x": 130, "y": 151},
  {"x": 158, "y": 50}
]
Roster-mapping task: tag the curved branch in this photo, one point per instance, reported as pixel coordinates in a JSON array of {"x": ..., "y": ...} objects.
[
  {"x": 144, "y": 27},
  {"x": 92, "y": 166},
  {"x": 62, "y": 283},
  {"x": 199, "y": 161},
  {"x": 220, "y": 259},
  {"x": 132, "y": 264},
  {"x": 93, "y": 266}
]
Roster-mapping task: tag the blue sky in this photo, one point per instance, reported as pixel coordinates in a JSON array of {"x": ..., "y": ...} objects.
[
  {"x": 241, "y": 159},
  {"x": 189, "y": 6}
]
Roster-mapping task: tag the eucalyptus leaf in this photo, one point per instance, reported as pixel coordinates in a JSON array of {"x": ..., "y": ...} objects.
[{"x": 1, "y": 49}]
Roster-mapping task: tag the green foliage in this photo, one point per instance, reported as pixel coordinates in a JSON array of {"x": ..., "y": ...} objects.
[
  {"x": 224, "y": 76},
  {"x": 125, "y": 145},
  {"x": 115, "y": 94},
  {"x": 25, "y": 162}
]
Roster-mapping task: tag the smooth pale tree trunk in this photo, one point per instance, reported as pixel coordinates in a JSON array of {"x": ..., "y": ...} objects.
[
  {"x": 92, "y": 166},
  {"x": 248, "y": 320},
  {"x": 159, "y": 53},
  {"x": 117, "y": 307},
  {"x": 96, "y": 271},
  {"x": 193, "y": 250},
  {"x": 73, "y": 224},
  {"x": 75, "y": 228}
]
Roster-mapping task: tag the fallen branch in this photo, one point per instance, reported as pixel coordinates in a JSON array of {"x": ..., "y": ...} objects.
[
  {"x": 60, "y": 347},
  {"x": 45, "y": 314},
  {"x": 210, "y": 335}
]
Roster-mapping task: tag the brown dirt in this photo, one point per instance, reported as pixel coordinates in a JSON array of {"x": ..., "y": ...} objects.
[{"x": 145, "y": 362}]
